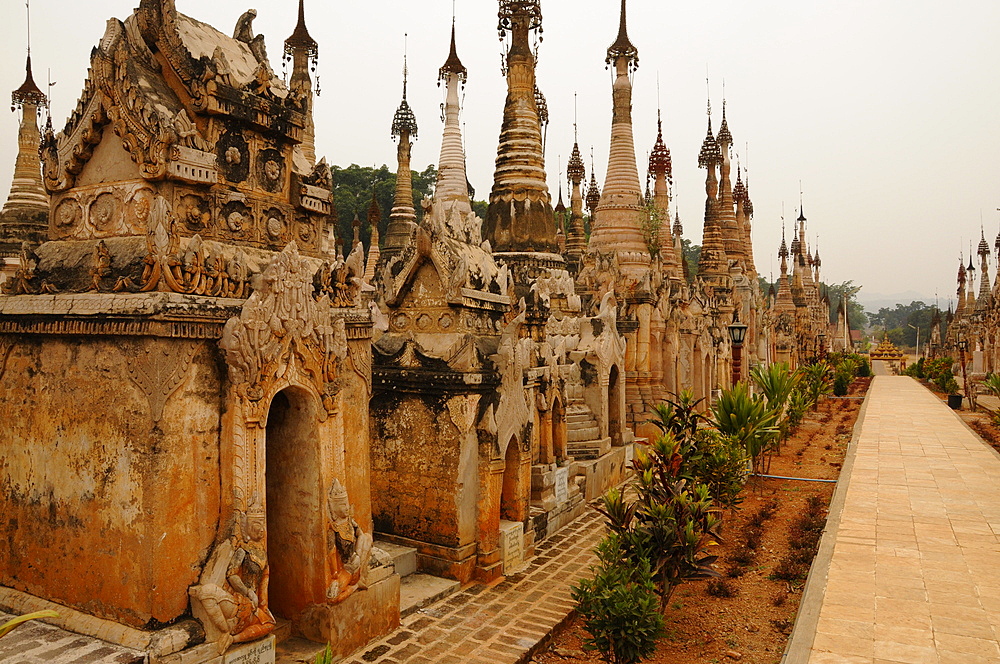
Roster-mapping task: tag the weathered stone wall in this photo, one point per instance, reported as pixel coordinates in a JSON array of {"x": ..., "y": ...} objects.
[
  {"x": 424, "y": 468},
  {"x": 101, "y": 507}
]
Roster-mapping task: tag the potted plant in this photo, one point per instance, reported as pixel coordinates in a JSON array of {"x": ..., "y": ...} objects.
[{"x": 950, "y": 386}]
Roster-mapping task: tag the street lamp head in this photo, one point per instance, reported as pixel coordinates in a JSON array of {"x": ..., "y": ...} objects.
[{"x": 737, "y": 333}]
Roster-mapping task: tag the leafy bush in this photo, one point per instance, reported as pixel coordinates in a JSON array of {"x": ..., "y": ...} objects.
[
  {"x": 325, "y": 657},
  {"x": 817, "y": 381},
  {"x": 841, "y": 382},
  {"x": 671, "y": 523},
  {"x": 719, "y": 462},
  {"x": 618, "y": 606},
  {"x": 679, "y": 417}
]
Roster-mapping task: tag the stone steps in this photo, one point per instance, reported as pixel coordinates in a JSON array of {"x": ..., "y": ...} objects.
[
  {"x": 403, "y": 557},
  {"x": 589, "y": 449},
  {"x": 418, "y": 590},
  {"x": 583, "y": 434}
]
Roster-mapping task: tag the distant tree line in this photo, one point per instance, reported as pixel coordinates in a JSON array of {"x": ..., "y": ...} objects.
[{"x": 896, "y": 323}]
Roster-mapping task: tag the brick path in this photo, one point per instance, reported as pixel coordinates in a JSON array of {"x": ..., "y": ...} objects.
[
  {"x": 500, "y": 624},
  {"x": 908, "y": 569},
  {"x": 35, "y": 642}
]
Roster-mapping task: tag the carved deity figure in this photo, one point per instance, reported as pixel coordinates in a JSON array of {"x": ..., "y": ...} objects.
[
  {"x": 350, "y": 547},
  {"x": 236, "y": 604}
]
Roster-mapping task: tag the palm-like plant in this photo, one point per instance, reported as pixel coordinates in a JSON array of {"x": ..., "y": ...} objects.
[
  {"x": 679, "y": 417},
  {"x": 749, "y": 420},
  {"x": 776, "y": 383},
  {"x": 9, "y": 626}
]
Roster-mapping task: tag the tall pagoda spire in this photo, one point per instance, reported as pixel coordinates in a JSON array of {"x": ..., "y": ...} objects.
[
  {"x": 25, "y": 214},
  {"x": 303, "y": 51},
  {"x": 576, "y": 240},
  {"x": 661, "y": 170},
  {"x": 727, "y": 214},
  {"x": 403, "y": 217},
  {"x": 452, "y": 184},
  {"x": 520, "y": 216},
  {"x": 712, "y": 260},
  {"x": 619, "y": 222},
  {"x": 984, "y": 271}
]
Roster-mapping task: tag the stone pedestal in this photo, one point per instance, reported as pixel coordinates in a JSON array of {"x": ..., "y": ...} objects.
[
  {"x": 562, "y": 485},
  {"x": 363, "y": 617}
]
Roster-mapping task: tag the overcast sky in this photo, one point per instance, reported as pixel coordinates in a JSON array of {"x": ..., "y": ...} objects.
[{"x": 885, "y": 110}]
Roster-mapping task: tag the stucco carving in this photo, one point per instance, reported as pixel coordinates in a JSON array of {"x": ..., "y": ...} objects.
[
  {"x": 513, "y": 356},
  {"x": 231, "y": 598},
  {"x": 349, "y": 546},
  {"x": 283, "y": 324},
  {"x": 158, "y": 368}
]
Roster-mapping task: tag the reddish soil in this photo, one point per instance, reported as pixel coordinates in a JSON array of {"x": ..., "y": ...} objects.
[{"x": 753, "y": 624}]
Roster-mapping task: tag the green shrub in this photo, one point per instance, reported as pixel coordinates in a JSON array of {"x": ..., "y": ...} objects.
[
  {"x": 619, "y": 606},
  {"x": 671, "y": 523},
  {"x": 325, "y": 657},
  {"x": 720, "y": 463},
  {"x": 842, "y": 382}
]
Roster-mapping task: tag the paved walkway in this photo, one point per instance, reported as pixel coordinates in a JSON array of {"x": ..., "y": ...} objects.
[
  {"x": 503, "y": 623},
  {"x": 909, "y": 570},
  {"x": 36, "y": 642}
]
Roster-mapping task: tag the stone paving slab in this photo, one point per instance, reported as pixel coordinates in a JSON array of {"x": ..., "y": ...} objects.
[
  {"x": 914, "y": 547},
  {"x": 35, "y": 642},
  {"x": 504, "y": 623}
]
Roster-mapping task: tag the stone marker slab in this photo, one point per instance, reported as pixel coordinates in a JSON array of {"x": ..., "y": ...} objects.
[
  {"x": 258, "y": 652},
  {"x": 562, "y": 485},
  {"x": 512, "y": 545}
]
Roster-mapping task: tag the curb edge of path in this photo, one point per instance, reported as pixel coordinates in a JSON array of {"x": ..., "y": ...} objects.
[{"x": 806, "y": 619}]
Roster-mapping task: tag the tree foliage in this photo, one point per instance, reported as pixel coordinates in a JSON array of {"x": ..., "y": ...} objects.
[
  {"x": 352, "y": 195},
  {"x": 897, "y": 321}
]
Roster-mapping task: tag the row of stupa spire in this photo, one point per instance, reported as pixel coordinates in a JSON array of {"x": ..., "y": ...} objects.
[{"x": 521, "y": 219}]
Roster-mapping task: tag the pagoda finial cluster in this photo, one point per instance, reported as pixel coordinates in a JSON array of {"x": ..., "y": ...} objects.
[
  {"x": 659, "y": 158},
  {"x": 519, "y": 13},
  {"x": 404, "y": 121}
]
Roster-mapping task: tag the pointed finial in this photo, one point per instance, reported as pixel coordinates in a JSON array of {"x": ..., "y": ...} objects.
[
  {"x": 453, "y": 65},
  {"x": 28, "y": 93},
  {"x": 622, "y": 47},
  {"x": 301, "y": 40},
  {"x": 405, "y": 70},
  {"x": 575, "y": 136}
]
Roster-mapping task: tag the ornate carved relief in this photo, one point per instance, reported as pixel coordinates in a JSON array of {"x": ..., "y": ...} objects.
[
  {"x": 67, "y": 217},
  {"x": 233, "y": 155},
  {"x": 104, "y": 215},
  {"x": 195, "y": 212},
  {"x": 350, "y": 547},
  {"x": 282, "y": 324},
  {"x": 158, "y": 368},
  {"x": 270, "y": 170},
  {"x": 231, "y": 597}
]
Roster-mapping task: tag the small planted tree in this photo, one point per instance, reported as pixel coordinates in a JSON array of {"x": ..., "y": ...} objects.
[
  {"x": 619, "y": 606},
  {"x": 671, "y": 523}
]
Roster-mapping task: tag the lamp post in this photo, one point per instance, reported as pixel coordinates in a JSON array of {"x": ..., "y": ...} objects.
[
  {"x": 918, "y": 339},
  {"x": 963, "y": 345},
  {"x": 737, "y": 333}
]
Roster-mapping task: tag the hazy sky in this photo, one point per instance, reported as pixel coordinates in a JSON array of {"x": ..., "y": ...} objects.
[{"x": 886, "y": 110}]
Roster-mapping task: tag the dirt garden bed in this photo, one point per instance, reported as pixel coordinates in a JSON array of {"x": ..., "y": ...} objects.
[{"x": 748, "y": 613}]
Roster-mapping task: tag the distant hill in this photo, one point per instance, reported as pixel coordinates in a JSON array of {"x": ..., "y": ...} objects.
[{"x": 874, "y": 301}]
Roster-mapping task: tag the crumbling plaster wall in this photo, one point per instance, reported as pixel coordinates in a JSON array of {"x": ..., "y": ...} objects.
[
  {"x": 101, "y": 508},
  {"x": 424, "y": 467}
]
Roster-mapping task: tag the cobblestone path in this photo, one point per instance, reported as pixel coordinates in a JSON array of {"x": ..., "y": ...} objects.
[{"x": 500, "y": 624}]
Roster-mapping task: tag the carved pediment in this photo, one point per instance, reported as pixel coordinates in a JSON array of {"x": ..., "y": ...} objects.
[{"x": 282, "y": 325}]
